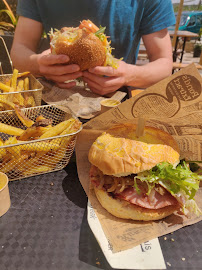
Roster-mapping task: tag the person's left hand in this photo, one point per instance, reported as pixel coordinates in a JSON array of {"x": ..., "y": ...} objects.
[{"x": 104, "y": 80}]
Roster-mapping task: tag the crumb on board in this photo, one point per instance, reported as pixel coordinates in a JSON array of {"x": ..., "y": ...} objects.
[
  {"x": 169, "y": 264},
  {"x": 165, "y": 238},
  {"x": 183, "y": 259},
  {"x": 172, "y": 239}
]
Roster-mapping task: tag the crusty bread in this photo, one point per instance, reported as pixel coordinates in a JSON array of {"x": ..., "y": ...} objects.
[
  {"x": 120, "y": 209},
  {"x": 86, "y": 50},
  {"x": 121, "y": 157}
]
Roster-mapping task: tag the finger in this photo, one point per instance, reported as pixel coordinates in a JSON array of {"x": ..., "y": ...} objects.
[
  {"x": 103, "y": 82},
  {"x": 102, "y": 92},
  {"x": 48, "y": 51},
  {"x": 96, "y": 78},
  {"x": 59, "y": 69},
  {"x": 67, "y": 85},
  {"x": 63, "y": 78},
  {"x": 51, "y": 59},
  {"x": 100, "y": 89},
  {"x": 107, "y": 71}
]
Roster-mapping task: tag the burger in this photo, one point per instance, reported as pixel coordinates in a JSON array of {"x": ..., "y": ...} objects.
[
  {"x": 135, "y": 179},
  {"x": 86, "y": 45}
]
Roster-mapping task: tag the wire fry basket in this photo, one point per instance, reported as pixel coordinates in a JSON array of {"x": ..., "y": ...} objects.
[
  {"x": 29, "y": 158},
  {"x": 33, "y": 95}
]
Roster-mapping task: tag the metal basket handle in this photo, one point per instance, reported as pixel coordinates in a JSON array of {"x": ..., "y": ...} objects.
[{"x": 6, "y": 49}]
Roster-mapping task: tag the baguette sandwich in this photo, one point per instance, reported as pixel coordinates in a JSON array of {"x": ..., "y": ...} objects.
[
  {"x": 138, "y": 180},
  {"x": 86, "y": 45}
]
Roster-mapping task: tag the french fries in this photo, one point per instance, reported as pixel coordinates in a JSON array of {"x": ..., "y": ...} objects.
[
  {"x": 33, "y": 132},
  {"x": 18, "y": 98},
  {"x": 58, "y": 129},
  {"x": 14, "y": 79},
  {"x": 29, "y": 101},
  {"x": 32, "y": 150},
  {"x": 25, "y": 120},
  {"x": 10, "y": 130},
  {"x": 38, "y": 170},
  {"x": 6, "y": 88},
  {"x": 11, "y": 164},
  {"x": 2, "y": 150},
  {"x": 26, "y": 73},
  {"x": 14, "y": 150},
  {"x": 6, "y": 102},
  {"x": 17, "y": 83},
  {"x": 26, "y": 84}
]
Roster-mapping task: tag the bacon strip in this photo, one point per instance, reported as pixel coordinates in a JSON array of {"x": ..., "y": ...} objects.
[
  {"x": 158, "y": 198},
  {"x": 156, "y": 201}
]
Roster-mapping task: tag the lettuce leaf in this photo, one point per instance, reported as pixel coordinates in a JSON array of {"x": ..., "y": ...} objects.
[
  {"x": 110, "y": 59},
  {"x": 179, "y": 180},
  {"x": 100, "y": 31}
]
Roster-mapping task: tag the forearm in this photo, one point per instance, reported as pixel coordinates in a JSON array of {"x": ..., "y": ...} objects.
[
  {"x": 24, "y": 59},
  {"x": 149, "y": 74}
]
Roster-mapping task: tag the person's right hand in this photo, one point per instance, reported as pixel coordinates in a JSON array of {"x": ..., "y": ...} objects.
[{"x": 56, "y": 68}]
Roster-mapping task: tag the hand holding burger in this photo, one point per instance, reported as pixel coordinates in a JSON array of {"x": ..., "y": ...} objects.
[
  {"x": 74, "y": 50},
  {"x": 57, "y": 69},
  {"x": 104, "y": 80},
  {"x": 88, "y": 47}
]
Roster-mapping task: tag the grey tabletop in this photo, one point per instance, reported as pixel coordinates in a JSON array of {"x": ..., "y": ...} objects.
[{"x": 46, "y": 228}]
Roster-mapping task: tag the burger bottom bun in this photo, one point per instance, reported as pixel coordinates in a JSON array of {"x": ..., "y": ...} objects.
[{"x": 120, "y": 209}]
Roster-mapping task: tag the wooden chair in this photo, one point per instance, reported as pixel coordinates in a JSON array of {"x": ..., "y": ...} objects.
[{"x": 177, "y": 66}]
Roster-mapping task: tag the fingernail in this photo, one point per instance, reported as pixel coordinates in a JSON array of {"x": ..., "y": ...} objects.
[
  {"x": 75, "y": 68},
  {"x": 64, "y": 58}
]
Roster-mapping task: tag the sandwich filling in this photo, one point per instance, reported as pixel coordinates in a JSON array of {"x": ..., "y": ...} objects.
[
  {"x": 163, "y": 185},
  {"x": 123, "y": 188},
  {"x": 70, "y": 34}
]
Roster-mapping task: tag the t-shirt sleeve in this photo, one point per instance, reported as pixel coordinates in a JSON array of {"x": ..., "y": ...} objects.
[
  {"x": 28, "y": 9},
  {"x": 158, "y": 14}
]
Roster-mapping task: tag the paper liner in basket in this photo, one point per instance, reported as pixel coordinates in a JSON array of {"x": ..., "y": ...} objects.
[{"x": 173, "y": 105}]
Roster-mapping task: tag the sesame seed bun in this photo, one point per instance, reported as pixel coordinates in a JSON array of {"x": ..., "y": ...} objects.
[{"x": 86, "y": 50}]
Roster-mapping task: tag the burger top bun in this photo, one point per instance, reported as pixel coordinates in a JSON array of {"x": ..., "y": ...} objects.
[
  {"x": 85, "y": 50},
  {"x": 151, "y": 134},
  {"x": 121, "y": 156}
]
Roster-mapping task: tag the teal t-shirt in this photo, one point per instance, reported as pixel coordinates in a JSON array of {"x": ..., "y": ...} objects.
[{"x": 126, "y": 21}]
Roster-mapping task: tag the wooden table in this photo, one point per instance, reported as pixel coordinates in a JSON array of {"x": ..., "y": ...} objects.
[{"x": 184, "y": 35}]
